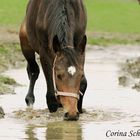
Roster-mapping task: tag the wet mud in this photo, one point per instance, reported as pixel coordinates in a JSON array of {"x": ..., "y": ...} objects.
[
  {"x": 43, "y": 116},
  {"x": 1, "y": 113},
  {"x": 130, "y": 73},
  {"x": 107, "y": 105}
]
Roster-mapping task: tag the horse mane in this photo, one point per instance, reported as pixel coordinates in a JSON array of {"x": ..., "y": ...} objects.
[{"x": 58, "y": 19}]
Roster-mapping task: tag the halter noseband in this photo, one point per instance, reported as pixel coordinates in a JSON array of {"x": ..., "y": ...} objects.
[{"x": 60, "y": 93}]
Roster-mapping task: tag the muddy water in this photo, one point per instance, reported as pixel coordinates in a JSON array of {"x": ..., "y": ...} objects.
[{"x": 107, "y": 106}]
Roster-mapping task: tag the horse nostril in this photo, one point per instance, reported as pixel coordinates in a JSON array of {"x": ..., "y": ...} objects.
[
  {"x": 77, "y": 114},
  {"x": 68, "y": 117}
]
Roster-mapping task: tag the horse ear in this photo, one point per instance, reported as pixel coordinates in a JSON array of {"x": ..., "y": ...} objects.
[
  {"x": 56, "y": 44},
  {"x": 82, "y": 45}
]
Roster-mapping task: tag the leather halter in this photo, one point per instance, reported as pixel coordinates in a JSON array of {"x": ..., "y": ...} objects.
[{"x": 61, "y": 93}]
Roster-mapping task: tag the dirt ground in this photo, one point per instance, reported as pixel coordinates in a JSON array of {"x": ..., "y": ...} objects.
[
  {"x": 129, "y": 66},
  {"x": 107, "y": 105},
  {"x": 10, "y": 57},
  {"x": 8, "y": 35}
]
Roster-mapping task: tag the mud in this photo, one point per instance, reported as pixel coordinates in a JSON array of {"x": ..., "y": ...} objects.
[
  {"x": 107, "y": 105},
  {"x": 10, "y": 57},
  {"x": 42, "y": 116},
  {"x": 7, "y": 85},
  {"x": 1, "y": 113},
  {"x": 8, "y": 35},
  {"x": 130, "y": 73}
]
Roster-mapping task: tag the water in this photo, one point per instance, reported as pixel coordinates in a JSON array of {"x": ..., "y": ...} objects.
[{"x": 107, "y": 105}]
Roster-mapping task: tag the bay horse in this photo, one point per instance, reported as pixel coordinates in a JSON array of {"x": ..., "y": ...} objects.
[{"x": 55, "y": 29}]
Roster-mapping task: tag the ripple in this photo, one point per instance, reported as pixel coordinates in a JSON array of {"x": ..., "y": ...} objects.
[{"x": 42, "y": 116}]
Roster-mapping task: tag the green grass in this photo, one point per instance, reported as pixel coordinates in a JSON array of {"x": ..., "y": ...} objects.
[
  {"x": 104, "y": 16},
  {"x": 6, "y": 85},
  {"x": 121, "y": 16},
  {"x": 10, "y": 56},
  {"x": 104, "y": 41},
  {"x": 12, "y": 12},
  {"x": 7, "y": 80},
  {"x": 113, "y": 17}
]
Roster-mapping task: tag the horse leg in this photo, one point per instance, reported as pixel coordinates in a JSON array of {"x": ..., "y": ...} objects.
[
  {"x": 33, "y": 72},
  {"x": 47, "y": 69},
  {"x": 32, "y": 67},
  {"x": 83, "y": 87}
]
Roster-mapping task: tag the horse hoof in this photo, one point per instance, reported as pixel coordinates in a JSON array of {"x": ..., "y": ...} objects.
[
  {"x": 29, "y": 101},
  {"x": 80, "y": 111},
  {"x": 52, "y": 104}
]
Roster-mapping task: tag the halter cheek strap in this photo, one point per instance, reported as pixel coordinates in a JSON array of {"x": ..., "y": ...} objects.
[{"x": 60, "y": 93}]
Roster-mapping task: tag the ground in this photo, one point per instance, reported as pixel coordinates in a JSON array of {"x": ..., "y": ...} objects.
[
  {"x": 10, "y": 56},
  {"x": 1, "y": 113},
  {"x": 107, "y": 105},
  {"x": 130, "y": 73},
  {"x": 105, "y": 28},
  {"x": 108, "y": 66}
]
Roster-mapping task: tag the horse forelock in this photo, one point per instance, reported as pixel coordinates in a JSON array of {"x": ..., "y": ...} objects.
[{"x": 71, "y": 56}]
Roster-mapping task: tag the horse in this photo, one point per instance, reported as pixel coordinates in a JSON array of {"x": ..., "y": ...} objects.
[{"x": 55, "y": 30}]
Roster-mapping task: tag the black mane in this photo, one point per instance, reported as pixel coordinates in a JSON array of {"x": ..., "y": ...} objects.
[
  {"x": 61, "y": 19},
  {"x": 58, "y": 21}
]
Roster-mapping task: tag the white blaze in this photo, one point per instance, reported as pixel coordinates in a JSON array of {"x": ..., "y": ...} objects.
[{"x": 71, "y": 70}]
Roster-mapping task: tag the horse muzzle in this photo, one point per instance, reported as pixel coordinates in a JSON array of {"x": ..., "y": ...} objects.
[{"x": 68, "y": 117}]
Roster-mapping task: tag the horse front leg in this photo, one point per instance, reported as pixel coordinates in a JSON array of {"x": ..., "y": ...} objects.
[
  {"x": 33, "y": 72},
  {"x": 32, "y": 66},
  {"x": 50, "y": 96},
  {"x": 83, "y": 87}
]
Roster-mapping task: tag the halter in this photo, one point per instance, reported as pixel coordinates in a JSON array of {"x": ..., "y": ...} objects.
[{"x": 60, "y": 93}]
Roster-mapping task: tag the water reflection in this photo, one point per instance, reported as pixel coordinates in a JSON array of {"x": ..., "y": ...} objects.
[
  {"x": 30, "y": 132},
  {"x": 110, "y": 107},
  {"x": 55, "y": 131},
  {"x": 64, "y": 131}
]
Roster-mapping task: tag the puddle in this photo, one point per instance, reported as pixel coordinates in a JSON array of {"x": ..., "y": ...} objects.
[
  {"x": 40, "y": 116},
  {"x": 107, "y": 105}
]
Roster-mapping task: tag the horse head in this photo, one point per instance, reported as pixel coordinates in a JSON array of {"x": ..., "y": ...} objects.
[{"x": 68, "y": 71}]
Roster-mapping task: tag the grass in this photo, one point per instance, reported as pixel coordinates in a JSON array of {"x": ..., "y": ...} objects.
[
  {"x": 105, "y": 39},
  {"x": 10, "y": 56},
  {"x": 111, "y": 17},
  {"x": 6, "y": 85},
  {"x": 7, "y": 80},
  {"x": 12, "y": 12},
  {"x": 121, "y": 16}
]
